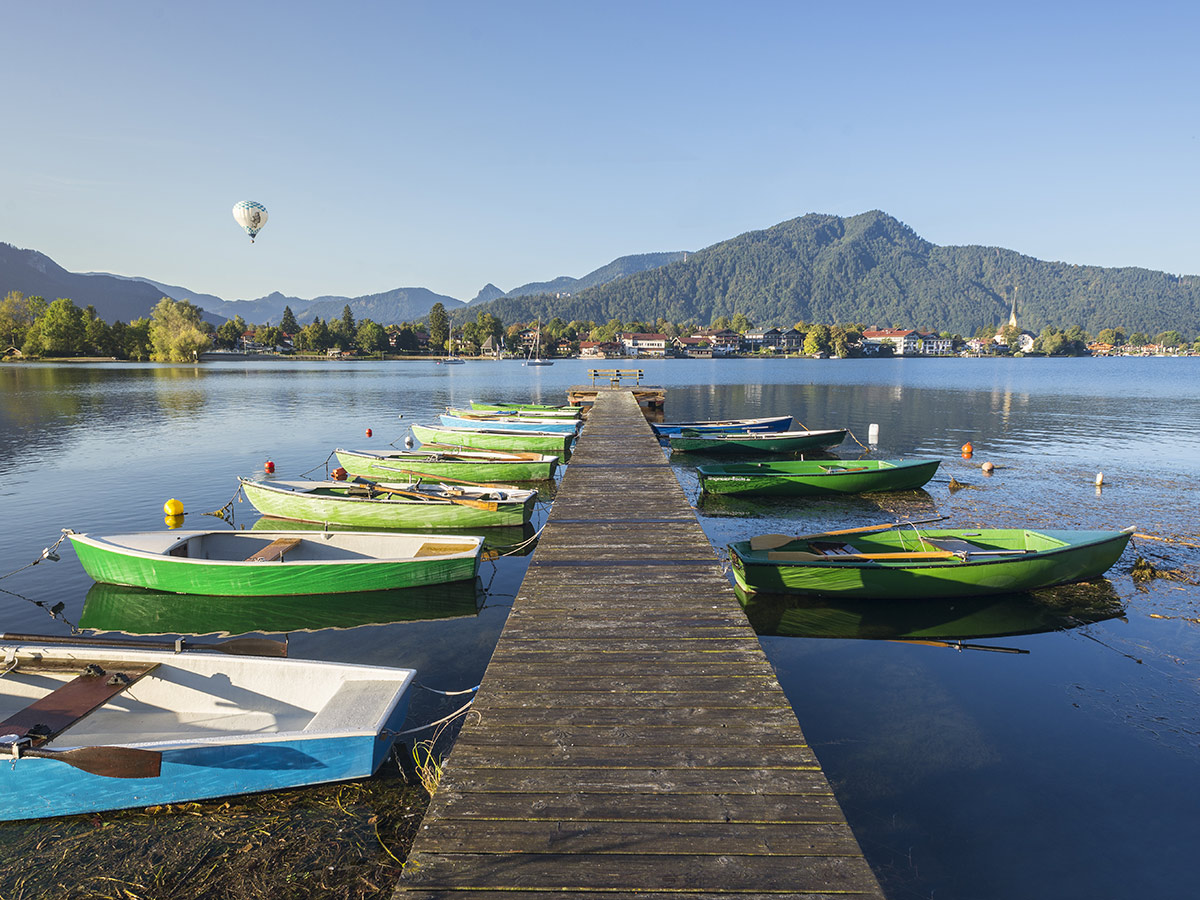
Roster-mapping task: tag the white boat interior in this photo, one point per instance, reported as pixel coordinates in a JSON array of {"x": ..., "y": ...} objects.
[{"x": 201, "y": 697}]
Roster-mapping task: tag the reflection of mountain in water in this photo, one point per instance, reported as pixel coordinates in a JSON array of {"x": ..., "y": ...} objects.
[
  {"x": 111, "y": 607},
  {"x": 1053, "y": 609}
]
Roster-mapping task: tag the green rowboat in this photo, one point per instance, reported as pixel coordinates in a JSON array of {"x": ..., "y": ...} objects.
[
  {"x": 496, "y": 439},
  {"x": 817, "y": 478},
  {"x": 370, "y": 505},
  {"x": 527, "y": 408},
  {"x": 276, "y": 563},
  {"x": 467, "y": 466},
  {"x": 757, "y": 441},
  {"x": 912, "y": 564}
]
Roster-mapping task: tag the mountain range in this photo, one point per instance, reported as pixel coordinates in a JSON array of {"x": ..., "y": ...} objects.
[{"x": 869, "y": 269}]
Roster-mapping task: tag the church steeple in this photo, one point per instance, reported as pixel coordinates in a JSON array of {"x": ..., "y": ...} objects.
[{"x": 1012, "y": 316}]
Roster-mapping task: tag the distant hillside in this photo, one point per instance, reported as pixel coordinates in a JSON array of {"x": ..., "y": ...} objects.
[
  {"x": 875, "y": 270},
  {"x": 618, "y": 268},
  {"x": 35, "y": 274}
]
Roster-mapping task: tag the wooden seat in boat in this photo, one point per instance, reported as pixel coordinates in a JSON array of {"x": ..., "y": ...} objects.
[
  {"x": 65, "y": 705},
  {"x": 274, "y": 550}
]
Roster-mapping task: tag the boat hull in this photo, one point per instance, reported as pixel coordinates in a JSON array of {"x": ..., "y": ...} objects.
[
  {"x": 1068, "y": 556},
  {"x": 512, "y": 423},
  {"x": 495, "y": 439},
  {"x": 811, "y": 478},
  {"x": 527, "y": 408},
  {"x": 396, "y": 467},
  {"x": 381, "y": 512},
  {"x": 181, "y": 575},
  {"x": 204, "y": 762},
  {"x": 758, "y": 442},
  {"x": 772, "y": 423}
]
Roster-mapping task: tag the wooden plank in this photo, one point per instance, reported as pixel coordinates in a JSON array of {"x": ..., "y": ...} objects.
[{"x": 652, "y": 838}]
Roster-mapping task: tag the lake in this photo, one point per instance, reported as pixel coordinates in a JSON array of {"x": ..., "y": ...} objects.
[{"x": 1057, "y": 754}]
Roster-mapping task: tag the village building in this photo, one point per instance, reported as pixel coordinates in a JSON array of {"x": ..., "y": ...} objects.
[
  {"x": 637, "y": 344},
  {"x": 692, "y": 347}
]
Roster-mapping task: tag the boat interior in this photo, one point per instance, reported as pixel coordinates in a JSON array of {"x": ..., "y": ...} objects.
[{"x": 197, "y": 696}]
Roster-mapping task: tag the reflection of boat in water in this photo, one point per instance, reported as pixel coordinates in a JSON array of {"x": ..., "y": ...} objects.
[
  {"x": 500, "y": 539},
  {"x": 1052, "y": 609},
  {"x": 111, "y": 607}
]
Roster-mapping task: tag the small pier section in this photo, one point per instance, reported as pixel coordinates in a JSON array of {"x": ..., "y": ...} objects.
[
  {"x": 631, "y": 737},
  {"x": 630, "y": 380}
]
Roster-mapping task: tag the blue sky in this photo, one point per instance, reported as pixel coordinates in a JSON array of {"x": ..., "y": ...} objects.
[{"x": 449, "y": 144}]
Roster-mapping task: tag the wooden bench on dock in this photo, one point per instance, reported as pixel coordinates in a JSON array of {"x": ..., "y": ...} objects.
[{"x": 615, "y": 376}]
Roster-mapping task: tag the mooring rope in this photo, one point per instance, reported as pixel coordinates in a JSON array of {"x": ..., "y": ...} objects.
[
  {"x": 462, "y": 710},
  {"x": 48, "y": 553},
  {"x": 324, "y": 464},
  {"x": 228, "y": 507}
]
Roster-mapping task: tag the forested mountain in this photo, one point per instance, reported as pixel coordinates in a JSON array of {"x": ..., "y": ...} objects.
[
  {"x": 37, "y": 275},
  {"x": 869, "y": 269},
  {"x": 873, "y": 269}
]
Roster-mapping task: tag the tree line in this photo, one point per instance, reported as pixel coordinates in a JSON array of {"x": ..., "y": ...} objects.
[{"x": 176, "y": 332}]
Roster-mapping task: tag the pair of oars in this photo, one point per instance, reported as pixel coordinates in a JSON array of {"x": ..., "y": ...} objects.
[
  {"x": 489, "y": 505},
  {"x": 773, "y": 541}
]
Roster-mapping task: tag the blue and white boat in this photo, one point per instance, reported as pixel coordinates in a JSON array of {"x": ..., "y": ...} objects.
[
  {"x": 772, "y": 423},
  {"x": 85, "y": 729},
  {"x": 512, "y": 423}
]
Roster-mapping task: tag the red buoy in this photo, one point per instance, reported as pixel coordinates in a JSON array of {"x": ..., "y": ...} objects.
[
  {"x": 368, "y": 432},
  {"x": 270, "y": 467}
]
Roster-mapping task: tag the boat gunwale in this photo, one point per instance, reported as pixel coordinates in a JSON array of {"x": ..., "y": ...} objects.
[
  {"x": 121, "y": 550},
  {"x": 955, "y": 561}
]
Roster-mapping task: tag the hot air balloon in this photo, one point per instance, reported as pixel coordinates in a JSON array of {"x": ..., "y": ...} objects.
[{"x": 251, "y": 216}]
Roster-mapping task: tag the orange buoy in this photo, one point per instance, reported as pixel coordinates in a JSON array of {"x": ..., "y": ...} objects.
[
  {"x": 988, "y": 468},
  {"x": 368, "y": 432},
  {"x": 269, "y": 466},
  {"x": 339, "y": 474},
  {"x": 967, "y": 449}
]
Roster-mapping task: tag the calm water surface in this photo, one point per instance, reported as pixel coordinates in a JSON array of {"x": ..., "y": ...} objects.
[{"x": 1069, "y": 770}]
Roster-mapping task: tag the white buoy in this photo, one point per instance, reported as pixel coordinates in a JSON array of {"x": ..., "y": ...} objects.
[
  {"x": 408, "y": 441},
  {"x": 873, "y": 434},
  {"x": 1099, "y": 479}
]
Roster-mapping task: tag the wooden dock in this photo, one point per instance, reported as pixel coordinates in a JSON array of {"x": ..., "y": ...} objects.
[{"x": 632, "y": 738}]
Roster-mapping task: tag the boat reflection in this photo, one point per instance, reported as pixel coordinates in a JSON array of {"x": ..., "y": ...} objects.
[
  {"x": 509, "y": 540},
  {"x": 1053, "y": 609},
  {"x": 131, "y": 610}
]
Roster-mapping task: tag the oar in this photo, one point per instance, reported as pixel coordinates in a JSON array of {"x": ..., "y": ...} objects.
[
  {"x": 804, "y": 556},
  {"x": 234, "y": 646},
  {"x": 771, "y": 541},
  {"x": 489, "y": 505},
  {"x": 109, "y": 762},
  {"x": 959, "y": 645},
  {"x": 499, "y": 487}
]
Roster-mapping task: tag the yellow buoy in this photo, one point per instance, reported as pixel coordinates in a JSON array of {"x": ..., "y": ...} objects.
[{"x": 173, "y": 508}]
